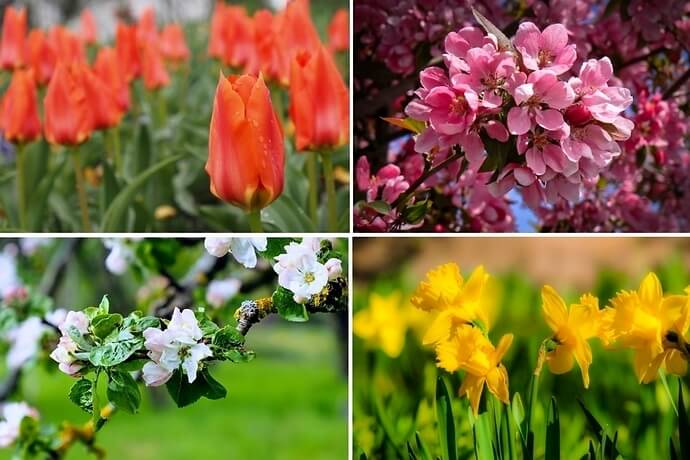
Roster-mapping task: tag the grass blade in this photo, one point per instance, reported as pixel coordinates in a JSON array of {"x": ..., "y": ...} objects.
[
  {"x": 683, "y": 425},
  {"x": 553, "y": 433},
  {"x": 446, "y": 423},
  {"x": 421, "y": 447}
]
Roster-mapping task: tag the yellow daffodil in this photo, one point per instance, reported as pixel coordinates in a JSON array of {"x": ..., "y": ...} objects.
[
  {"x": 470, "y": 350},
  {"x": 383, "y": 323},
  {"x": 457, "y": 302},
  {"x": 654, "y": 326},
  {"x": 572, "y": 329}
]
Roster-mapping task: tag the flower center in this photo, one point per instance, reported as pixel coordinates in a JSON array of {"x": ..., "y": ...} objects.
[
  {"x": 492, "y": 81},
  {"x": 540, "y": 140},
  {"x": 533, "y": 102},
  {"x": 545, "y": 57},
  {"x": 459, "y": 104},
  {"x": 309, "y": 277}
]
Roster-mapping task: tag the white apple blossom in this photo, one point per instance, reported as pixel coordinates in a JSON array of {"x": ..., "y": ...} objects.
[
  {"x": 9, "y": 278},
  {"x": 56, "y": 317},
  {"x": 120, "y": 256},
  {"x": 25, "y": 340},
  {"x": 242, "y": 249},
  {"x": 176, "y": 347},
  {"x": 77, "y": 319},
  {"x": 293, "y": 252},
  {"x": 305, "y": 278},
  {"x": 64, "y": 356},
  {"x": 220, "y": 291},
  {"x": 334, "y": 267},
  {"x": 12, "y": 415}
]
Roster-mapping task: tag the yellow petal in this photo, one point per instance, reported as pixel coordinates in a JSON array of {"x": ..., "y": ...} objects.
[
  {"x": 392, "y": 341},
  {"x": 440, "y": 288},
  {"x": 560, "y": 360},
  {"x": 583, "y": 356},
  {"x": 362, "y": 325},
  {"x": 497, "y": 381},
  {"x": 647, "y": 362},
  {"x": 447, "y": 355},
  {"x": 554, "y": 308},
  {"x": 472, "y": 386},
  {"x": 503, "y": 346},
  {"x": 675, "y": 363},
  {"x": 439, "y": 329},
  {"x": 650, "y": 291}
]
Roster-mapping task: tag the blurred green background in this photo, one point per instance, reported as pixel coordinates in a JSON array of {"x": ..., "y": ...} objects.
[
  {"x": 289, "y": 403},
  {"x": 394, "y": 397}
]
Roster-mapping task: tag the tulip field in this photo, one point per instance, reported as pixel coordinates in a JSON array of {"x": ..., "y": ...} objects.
[
  {"x": 467, "y": 353},
  {"x": 235, "y": 123}
]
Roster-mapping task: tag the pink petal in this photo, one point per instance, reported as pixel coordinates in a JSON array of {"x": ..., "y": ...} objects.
[
  {"x": 535, "y": 161},
  {"x": 363, "y": 173},
  {"x": 523, "y": 92},
  {"x": 549, "y": 119},
  {"x": 518, "y": 120},
  {"x": 496, "y": 130},
  {"x": 474, "y": 150},
  {"x": 554, "y": 38},
  {"x": 524, "y": 176}
]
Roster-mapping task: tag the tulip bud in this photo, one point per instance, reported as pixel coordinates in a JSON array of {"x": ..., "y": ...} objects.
[
  {"x": 20, "y": 121},
  {"x": 246, "y": 152},
  {"x": 102, "y": 99},
  {"x": 88, "y": 27},
  {"x": 127, "y": 50},
  {"x": 68, "y": 115},
  {"x": 319, "y": 101},
  {"x": 13, "y": 46},
  {"x": 216, "y": 41},
  {"x": 298, "y": 30},
  {"x": 272, "y": 57},
  {"x": 173, "y": 45},
  {"x": 110, "y": 72},
  {"x": 69, "y": 47},
  {"x": 339, "y": 31},
  {"x": 240, "y": 48},
  {"x": 42, "y": 56},
  {"x": 153, "y": 69}
]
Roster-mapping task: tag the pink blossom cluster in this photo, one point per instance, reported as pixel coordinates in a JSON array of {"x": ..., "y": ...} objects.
[
  {"x": 385, "y": 186},
  {"x": 565, "y": 129}
]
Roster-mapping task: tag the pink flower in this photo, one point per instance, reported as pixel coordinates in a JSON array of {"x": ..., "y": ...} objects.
[
  {"x": 388, "y": 182},
  {"x": 542, "y": 150},
  {"x": 451, "y": 109},
  {"x": 539, "y": 99},
  {"x": 458, "y": 44},
  {"x": 487, "y": 74},
  {"x": 545, "y": 50}
]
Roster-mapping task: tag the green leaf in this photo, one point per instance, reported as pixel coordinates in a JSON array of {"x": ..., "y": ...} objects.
[
  {"x": 421, "y": 447},
  {"x": 81, "y": 394},
  {"x": 683, "y": 425},
  {"x": 286, "y": 216},
  {"x": 380, "y": 206},
  {"x": 78, "y": 338},
  {"x": 672, "y": 449},
  {"x": 415, "y": 213},
  {"x": 239, "y": 355},
  {"x": 104, "y": 306},
  {"x": 290, "y": 310},
  {"x": 147, "y": 322},
  {"x": 446, "y": 423},
  {"x": 228, "y": 338},
  {"x": 504, "y": 42},
  {"x": 410, "y": 452},
  {"x": 185, "y": 393},
  {"x": 553, "y": 434},
  {"x": 113, "y": 353},
  {"x": 275, "y": 247},
  {"x": 206, "y": 324},
  {"x": 123, "y": 391},
  {"x": 103, "y": 325},
  {"x": 409, "y": 124},
  {"x": 115, "y": 218},
  {"x": 598, "y": 431}
]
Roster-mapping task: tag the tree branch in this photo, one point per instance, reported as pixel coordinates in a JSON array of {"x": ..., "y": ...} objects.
[
  {"x": 676, "y": 85},
  {"x": 333, "y": 300}
]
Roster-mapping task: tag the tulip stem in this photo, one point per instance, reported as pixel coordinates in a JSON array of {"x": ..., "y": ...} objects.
[
  {"x": 313, "y": 188},
  {"x": 330, "y": 191},
  {"x": 115, "y": 142},
  {"x": 254, "y": 218},
  {"x": 81, "y": 191},
  {"x": 21, "y": 187}
]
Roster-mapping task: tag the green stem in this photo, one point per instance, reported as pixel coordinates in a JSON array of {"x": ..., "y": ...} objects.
[
  {"x": 254, "y": 218},
  {"x": 312, "y": 173},
  {"x": 81, "y": 191},
  {"x": 21, "y": 187},
  {"x": 117, "y": 157},
  {"x": 330, "y": 191},
  {"x": 162, "y": 108}
]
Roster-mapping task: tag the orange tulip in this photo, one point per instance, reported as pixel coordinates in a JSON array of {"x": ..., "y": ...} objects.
[
  {"x": 216, "y": 42},
  {"x": 153, "y": 69},
  {"x": 42, "y": 56},
  {"x": 273, "y": 61},
  {"x": 68, "y": 113},
  {"x": 319, "y": 101},
  {"x": 69, "y": 47},
  {"x": 88, "y": 27},
  {"x": 173, "y": 44},
  {"x": 339, "y": 31},
  {"x": 13, "y": 46},
  {"x": 246, "y": 153},
  {"x": 19, "y": 116},
  {"x": 102, "y": 100},
  {"x": 240, "y": 50},
  {"x": 147, "y": 29},
  {"x": 127, "y": 50},
  {"x": 108, "y": 70},
  {"x": 298, "y": 31}
]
